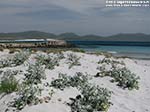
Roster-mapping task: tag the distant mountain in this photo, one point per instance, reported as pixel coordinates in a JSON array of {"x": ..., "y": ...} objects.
[
  {"x": 68, "y": 35},
  {"x": 130, "y": 37},
  {"x": 27, "y": 35},
  {"x": 71, "y": 36}
]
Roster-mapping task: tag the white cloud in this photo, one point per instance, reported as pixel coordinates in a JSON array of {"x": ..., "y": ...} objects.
[
  {"x": 80, "y": 6},
  {"x": 95, "y": 17}
]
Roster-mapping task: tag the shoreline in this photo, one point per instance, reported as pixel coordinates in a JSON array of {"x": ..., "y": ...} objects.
[
  {"x": 131, "y": 55},
  {"x": 140, "y": 56},
  {"x": 122, "y": 55}
]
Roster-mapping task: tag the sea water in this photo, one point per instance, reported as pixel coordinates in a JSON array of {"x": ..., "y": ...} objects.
[{"x": 133, "y": 50}]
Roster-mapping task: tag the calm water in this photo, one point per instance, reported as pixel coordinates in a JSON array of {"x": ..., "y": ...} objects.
[
  {"x": 117, "y": 49},
  {"x": 135, "y": 50}
]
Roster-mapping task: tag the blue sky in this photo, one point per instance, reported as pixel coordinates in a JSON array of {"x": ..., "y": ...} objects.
[{"x": 78, "y": 16}]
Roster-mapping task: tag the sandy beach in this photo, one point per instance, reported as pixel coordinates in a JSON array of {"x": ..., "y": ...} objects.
[{"x": 122, "y": 99}]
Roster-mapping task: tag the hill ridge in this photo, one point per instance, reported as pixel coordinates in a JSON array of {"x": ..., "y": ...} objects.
[{"x": 69, "y": 36}]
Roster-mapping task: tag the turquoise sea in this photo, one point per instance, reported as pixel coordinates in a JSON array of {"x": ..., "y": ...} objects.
[
  {"x": 129, "y": 51},
  {"x": 133, "y": 50}
]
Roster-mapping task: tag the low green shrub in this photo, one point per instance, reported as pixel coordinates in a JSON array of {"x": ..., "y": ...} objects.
[
  {"x": 8, "y": 84},
  {"x": 73, "y": 60},
  {"x": 91, "y": 99},
  {"x": 5, "y": 63},
  {"x": 49, "y": 61},
  {"x": 10, "y": 72},
  {"x": 78, "y": 50},
  {"x": 60, "y": 56},
  {"x": 28, "y": 93},
  {"x": 110, "y": 61},
  {"x": 64, "y": 81},
  {"x": 120, "y": 74},
  {"x": 124, "y": 77},
  {"x": 59, "y": 50},
  {"x": 35, "y": 73},
  {"x": 27, "y": 96},
  {"x": 18, "y": 59},
  {"x": 13, "y": 50}
]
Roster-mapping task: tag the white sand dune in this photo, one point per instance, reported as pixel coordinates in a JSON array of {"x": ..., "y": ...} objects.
[{"x": 123, "y": 100}]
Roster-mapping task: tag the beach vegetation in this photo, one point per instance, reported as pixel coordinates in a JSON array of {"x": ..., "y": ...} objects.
[
  {"x": 73, "y": 60},
  {"x": 110, "y": 61},
  {"x": 10, "y": 72},
  {"x": 35, "y": 73},
  {"x": 29, "y": 91},
  {"x": 4, "y": 63},
  {"x": 124, "y": 77},
  {"x": 60, "y": 50},
  {"x": 92, "y": 98},
  {"x": 20, "y": 58},
  {"x": 60, "y": 56},
  {"x": 16, "y": 60},
  {"x": 13, "y": 50},
  {"x": 106, "y": 54},
  {"x": 64, "y": 81},
  {"x": 26, "y": 96},
  {"x": 8, "y": 84},
  {"x": 49, "y": 61}
]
